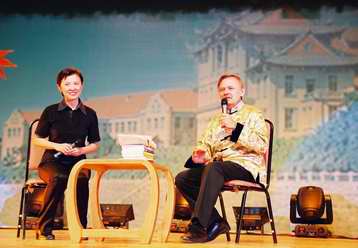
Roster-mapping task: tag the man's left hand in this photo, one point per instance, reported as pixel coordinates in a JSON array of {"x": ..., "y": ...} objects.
[{"x": 227, "y": 123}]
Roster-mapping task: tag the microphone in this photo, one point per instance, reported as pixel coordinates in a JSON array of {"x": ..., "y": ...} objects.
[
  {"x": 74, "y": 144},
  {"x": 224, "y": 108}
]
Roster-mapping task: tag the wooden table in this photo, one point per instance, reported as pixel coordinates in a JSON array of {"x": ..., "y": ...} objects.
[{"x": 100, "y": 166}]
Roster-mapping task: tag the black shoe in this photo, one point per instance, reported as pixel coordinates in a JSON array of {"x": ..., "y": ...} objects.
[
  {"x": 48, "y": 236},
  {"x": 196, "y": 234},
  {"x": 195, "y": 237},
  {"x": 217, "y": 228}
]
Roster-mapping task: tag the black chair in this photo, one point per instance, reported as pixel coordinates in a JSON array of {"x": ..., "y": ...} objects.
[
  {"x": 238, "y": 185},
  {"x": 32, "y": 190}
]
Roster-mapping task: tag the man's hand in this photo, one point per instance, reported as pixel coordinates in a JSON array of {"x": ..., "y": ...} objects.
[
  {"x": 227, "y": 123},
  {"x": 199, "y": 156}
]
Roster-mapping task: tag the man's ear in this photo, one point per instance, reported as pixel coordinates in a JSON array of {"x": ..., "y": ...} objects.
[{"x": 243, "y": 91}]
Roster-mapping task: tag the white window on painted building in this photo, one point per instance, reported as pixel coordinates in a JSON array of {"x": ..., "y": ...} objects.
[
  {"x": 177, "y": 121},
  {"x": 129, "y": 125},
  {"x": 220, "y": 56},
  {"x": 117, "y": 127},
  {"x": 162, "y": 122},
  {"x": 310, "y": 86},
  {"x": 289, "y": 85},
  {"x": 149, "y": 123},
  {"x": 332, "y": 83},
  {"x": 109, "y": 128},
  {"x": 122, "y": 127},
  {"x": 134, "y": 126},
  {"x": 105, "y": 127},
  {"x": 290, "y": 118},
  {"x": 332, "y": 109},
  {"x": 191, "y": 122},
  {"x": 156, "y": 124}
]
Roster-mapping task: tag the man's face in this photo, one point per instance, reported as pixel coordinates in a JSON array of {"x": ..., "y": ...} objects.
[{"x": 231, "y": 89}]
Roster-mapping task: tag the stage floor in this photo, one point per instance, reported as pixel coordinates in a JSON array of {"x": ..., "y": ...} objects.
[{"x": 8, "y": 239}]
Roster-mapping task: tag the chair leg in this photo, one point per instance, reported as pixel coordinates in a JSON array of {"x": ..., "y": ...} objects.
[
  {"x": 23, "y": 222},
  {"x": 224, "y": 214},
  {"x": 242, "y": 211},
  {"x": 19, "y": 220},
  {"x": 273, "y": 229}
]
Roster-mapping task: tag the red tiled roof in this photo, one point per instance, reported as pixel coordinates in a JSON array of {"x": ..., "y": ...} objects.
[
  {"x": 30, "y": 116},
  {"x": 107, "y": 107},
  {"x": 316, "y": 47},
  {"x": 129, "y": 105},
  {"x": 277, "y": 18},
  {"x": 181, "y": 100},
  {"x": 119, "y": 105},
  {"x": 350, "y": 35},
  {"x": 348, "y": 42}
]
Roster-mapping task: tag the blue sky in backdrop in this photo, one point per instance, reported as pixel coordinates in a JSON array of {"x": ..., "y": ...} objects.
[{"x": 116, "y": 53}]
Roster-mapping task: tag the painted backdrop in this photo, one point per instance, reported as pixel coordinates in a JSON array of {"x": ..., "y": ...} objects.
[{"x": 156, "y": 74}]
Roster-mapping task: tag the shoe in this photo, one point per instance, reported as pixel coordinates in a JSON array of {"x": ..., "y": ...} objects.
[
  {"x": 196, "y": 234},
  {"x": 195, "y": 237},
  {"x": 217, "y": 228},
  {"x": 41, "y": 236}
]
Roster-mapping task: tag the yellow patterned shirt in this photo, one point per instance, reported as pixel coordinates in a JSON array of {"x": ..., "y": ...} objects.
[{"x": 250, "y": 147}]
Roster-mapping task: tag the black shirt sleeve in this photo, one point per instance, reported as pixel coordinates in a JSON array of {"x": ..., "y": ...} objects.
[
  {"x": 43, "y": 127},
  {"x": 93, "y": 132}
]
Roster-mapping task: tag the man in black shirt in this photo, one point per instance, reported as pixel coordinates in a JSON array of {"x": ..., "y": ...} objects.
[{"x": 68, "y": 130}]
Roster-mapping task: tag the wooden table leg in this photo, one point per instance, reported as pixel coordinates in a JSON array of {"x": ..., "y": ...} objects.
[
  {"x": 95, "y": 208},
  {"x": 148, "y": 226},
  {"x": 74, "y": 225},
  {"x": 169, "y": 204}
]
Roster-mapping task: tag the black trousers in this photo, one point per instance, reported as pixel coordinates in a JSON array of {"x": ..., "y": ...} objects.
[
  {"x": 202, "y": 185},
  {"x": 56, "y": 176}
]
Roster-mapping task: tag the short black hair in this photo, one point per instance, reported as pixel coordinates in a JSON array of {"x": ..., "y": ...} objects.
[{"x": 64, "y": 73}]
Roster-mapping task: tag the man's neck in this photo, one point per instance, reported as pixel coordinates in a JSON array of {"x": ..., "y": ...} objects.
[{"x": 236, "y": 107}]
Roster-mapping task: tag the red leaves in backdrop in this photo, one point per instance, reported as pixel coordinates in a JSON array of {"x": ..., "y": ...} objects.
[{"x": 4, "y": 62}]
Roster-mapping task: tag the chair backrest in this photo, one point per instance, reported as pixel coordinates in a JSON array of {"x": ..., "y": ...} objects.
[
  {"x": 268, "y": 155},
  {"x": 34, "y": 152}
]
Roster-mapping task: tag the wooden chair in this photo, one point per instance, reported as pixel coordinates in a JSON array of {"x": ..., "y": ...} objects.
[
  {"x": 238, "y": 185},
  {"x": 34, "y": 155}
]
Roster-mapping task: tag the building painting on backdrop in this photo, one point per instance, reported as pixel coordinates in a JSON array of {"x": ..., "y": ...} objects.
[{"x": 299, "y": 70}]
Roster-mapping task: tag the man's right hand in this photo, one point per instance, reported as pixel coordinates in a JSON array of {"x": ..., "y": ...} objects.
[{"x": 199, "y": 156}]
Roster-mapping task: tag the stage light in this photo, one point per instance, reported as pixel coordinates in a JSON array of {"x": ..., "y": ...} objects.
[
  {"x": 310, "y": 203},
  {"x": 117, "y": 215}
]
